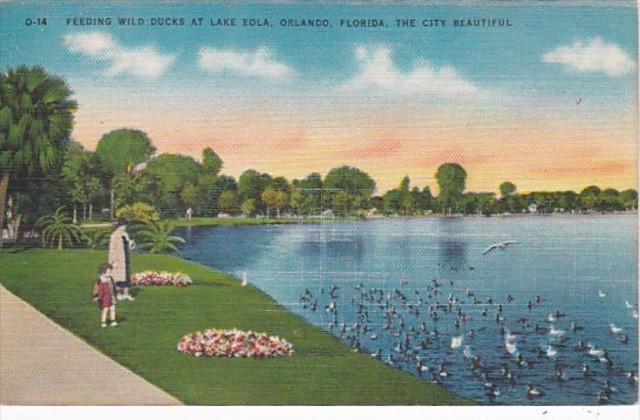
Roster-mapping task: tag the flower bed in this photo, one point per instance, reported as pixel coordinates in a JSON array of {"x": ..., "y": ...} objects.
[
  {"x": 163, "y": 278},
  {"x": 234, "y": 343}
]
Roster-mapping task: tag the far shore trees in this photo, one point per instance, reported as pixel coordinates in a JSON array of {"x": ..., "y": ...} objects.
[
  {"x": 507, "y": 188},
  {"x": 36, "y": 119},
  {"x": 451, "y": 179},
  {"x": 42, "y": 169},
  {"x": 228, "y": 202}
]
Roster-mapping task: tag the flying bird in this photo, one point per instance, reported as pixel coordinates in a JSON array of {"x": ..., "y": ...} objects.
[{"x": 500, "y": 245}]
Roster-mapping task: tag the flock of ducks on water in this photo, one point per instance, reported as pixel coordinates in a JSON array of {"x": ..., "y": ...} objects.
[{"x": 412, "y": 342}]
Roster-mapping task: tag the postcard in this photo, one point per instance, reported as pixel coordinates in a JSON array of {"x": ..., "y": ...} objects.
[{"x": 319, "y": 204}]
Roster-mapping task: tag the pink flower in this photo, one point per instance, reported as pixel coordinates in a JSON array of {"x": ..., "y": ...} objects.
[{"x": 233, "y": 343}]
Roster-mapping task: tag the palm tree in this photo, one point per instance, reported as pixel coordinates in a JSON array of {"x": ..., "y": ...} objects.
[
  {"x": 36, "y": 118},
  {"x": 155, "y": 237},
  {"x": 98, "y": 239},
  {"x": 58, "y": 228}
]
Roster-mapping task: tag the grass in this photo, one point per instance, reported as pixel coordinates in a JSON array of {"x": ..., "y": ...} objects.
[
  {"x": 323, "y": 371},
  {"x": 229, "y": 221}
]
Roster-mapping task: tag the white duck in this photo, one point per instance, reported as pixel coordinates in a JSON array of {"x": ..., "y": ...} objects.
[
  {"x": 467, "y": 352},
  {"x": 510, "y": 347},
  {"x": 509, "y": 337},
  {"x": 556, "y": 333},
  {"x": 601, "y": 294},
  {"x": 615, "y": 330},
  {"x": 593, "y": 351}
]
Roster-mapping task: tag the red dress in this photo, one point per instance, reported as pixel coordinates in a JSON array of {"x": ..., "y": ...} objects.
[{"x": 105, "y": 295}]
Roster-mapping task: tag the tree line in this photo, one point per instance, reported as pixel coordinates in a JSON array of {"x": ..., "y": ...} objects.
[{"x": 41, "y": 169}]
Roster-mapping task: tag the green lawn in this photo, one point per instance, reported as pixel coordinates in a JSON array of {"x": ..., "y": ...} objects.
[
  {"x": 228, "y": 221},
  {"x": 323, "y": 371}
]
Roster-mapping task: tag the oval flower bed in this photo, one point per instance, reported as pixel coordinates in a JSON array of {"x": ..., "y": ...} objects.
[
  {"x": 163, "y": 278},
  {"x": 234, "y": 343}
]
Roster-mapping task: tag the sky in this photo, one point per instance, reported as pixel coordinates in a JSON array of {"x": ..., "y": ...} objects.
[{"x": 549, "y": 103}]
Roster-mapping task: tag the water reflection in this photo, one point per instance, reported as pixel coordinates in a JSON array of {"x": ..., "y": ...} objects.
[{"x": 452, "y": 253}]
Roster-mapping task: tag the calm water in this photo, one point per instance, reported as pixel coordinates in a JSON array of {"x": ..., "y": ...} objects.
[{"x": 585, "y": 267}]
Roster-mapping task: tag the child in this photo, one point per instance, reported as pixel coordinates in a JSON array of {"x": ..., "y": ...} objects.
[{"x": 104, "y": 295}]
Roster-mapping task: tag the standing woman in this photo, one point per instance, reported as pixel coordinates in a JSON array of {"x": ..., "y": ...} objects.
[{"x": 120, "y": 246}]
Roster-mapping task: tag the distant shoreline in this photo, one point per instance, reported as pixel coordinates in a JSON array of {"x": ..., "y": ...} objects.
[{"x": 245, "y": 221}]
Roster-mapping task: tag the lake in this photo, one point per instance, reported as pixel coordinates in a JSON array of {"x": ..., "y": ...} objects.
[{"x": 420, "y": 295}]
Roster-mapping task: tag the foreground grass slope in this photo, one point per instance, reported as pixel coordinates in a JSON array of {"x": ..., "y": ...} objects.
[{"x": 322, "y": 371}]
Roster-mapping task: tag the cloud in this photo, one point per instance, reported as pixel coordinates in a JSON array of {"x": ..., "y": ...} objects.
[
  {"x": 377, "y": 69},
  {"x": 143, "y": 62},
  {"x": 592, "y": 55},
  {"x": 259, "y": 63}
]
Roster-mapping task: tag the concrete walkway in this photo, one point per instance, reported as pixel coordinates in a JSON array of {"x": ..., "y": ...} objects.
[{"x": 43, "y": 364}]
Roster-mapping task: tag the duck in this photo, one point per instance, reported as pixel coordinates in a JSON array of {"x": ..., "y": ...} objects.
[
  {"x": 606, "y": 359},
  {"x": 603, "y": 398},
  {"x": 560, "y": 374},
  {"x": 510, "y": 347},
  {"x": 586, "y": 370},
  {"x": 487, "y": 383},
  {"x": 552, "y": 318},
  {"x": 551, "y": 352},
  {"x": 467, "y": 352},
  {"x": 624, "y": 339},
  {"x": 593, "y": 351},
  {"x": 492, "y": 392},
  {"x": 504, "y": 370},
  {"x": 631, "y": 378},
  {"x": 627, "y": 304},
  {"x": 443, "y": 372},
  {"x": 608, "y": 388},
  {"x": 556, "y": 333},
  {"x": 601, "y": 294},
  {"x": 579, "y": 346},
  {"x": 574, "y": 327},
  {"x": 540, "y": 329},
  {"x": 533, "y": 392},
  {"x": 615, "y": 330},
  {"x": 475, "y": 362}
]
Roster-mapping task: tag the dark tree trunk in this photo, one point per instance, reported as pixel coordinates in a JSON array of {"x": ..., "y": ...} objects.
[{"x": 4, "y": 187}]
